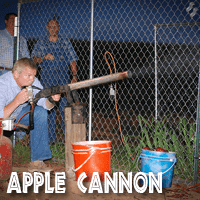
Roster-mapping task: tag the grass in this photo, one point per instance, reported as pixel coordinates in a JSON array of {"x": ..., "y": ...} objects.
[
  {"x": 121, "y": 160},
  {"x": 21, "y": 154},
  {"x": 58, "y": 150}
]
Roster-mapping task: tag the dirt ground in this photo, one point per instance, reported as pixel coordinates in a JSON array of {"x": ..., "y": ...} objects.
[{"x": 177, "y": 191}]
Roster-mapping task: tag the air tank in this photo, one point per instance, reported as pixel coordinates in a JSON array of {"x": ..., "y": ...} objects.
[{"x": 5, "y": 154}]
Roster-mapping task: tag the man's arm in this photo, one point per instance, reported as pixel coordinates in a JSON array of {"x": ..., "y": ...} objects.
[
  {"x": 74, "y": 71},
  {"x": 24, "y": 52},
  {"x": 21, "y": 98},
  {"x": 55, "y": 97},
  {"x": 38, "y": 60},
  {"x": 37, "y": 53}
]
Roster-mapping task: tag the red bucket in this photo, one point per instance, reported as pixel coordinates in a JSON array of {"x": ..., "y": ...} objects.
[{"x": 92, "y": 156}]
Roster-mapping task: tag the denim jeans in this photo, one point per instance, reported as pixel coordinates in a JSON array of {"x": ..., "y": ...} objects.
[
  {"x": 39, "y": 135},
  {"x": 52, "y": 121}
]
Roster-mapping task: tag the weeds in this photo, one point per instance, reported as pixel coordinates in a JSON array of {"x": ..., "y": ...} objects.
[
  {"x": 177, "y": 139},
  {"x": 21, "y": 153},
  {"x": 58, "y": 150},
  {"x": 174, "y": 138}
]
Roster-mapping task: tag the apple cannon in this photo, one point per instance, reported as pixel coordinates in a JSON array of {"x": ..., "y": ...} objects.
[{"x": 9, "y": 124}]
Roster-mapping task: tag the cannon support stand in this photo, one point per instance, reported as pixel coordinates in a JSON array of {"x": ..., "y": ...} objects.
[
  {"x": 75, "y": 131},
  {"x": 75, "y": 117}
]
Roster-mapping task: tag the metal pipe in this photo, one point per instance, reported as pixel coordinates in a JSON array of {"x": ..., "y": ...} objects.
[
  {"x": 156, "y": 76},
  {"x": 18, "y": 23},
  {"x": 16, "y": 50},
  {"x": 91, "y": 70},
  {"x": 100, "y": 80},
  {"x": 47, "y": 92},
  {"x": 15, "y": 41},
  {"x": 22, "y": 126},
  {"x": 178, "y": 24},
  {"x": 196, "y": 152}
]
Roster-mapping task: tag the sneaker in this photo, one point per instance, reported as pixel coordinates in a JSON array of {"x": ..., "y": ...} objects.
[{"x": 41, "y": 167}]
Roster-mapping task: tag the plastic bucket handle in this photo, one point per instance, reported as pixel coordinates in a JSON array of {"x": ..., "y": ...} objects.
[
  {"x": 154, "y": 158},
  {"x": 92, "y": 150}
]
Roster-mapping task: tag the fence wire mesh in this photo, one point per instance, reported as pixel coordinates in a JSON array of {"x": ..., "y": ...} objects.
[{"x": 165, "y": 90}]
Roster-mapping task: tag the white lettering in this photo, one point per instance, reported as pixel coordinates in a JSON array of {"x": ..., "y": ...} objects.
[
  {"x": 38, "y": 181},
  {"x": 48, "y": 189},
  {"x": 58, "y": 182},
  {"x": 95, "y": 183},
  {"x": 154, "y": 182},
  {"x": 14, "y": 183},
  {"x": 27, "y": 181},
  {"x": 80, "y": 182},
  {"x": 123, "y": 182},
  {"x": 137, "y": 177},
  {"x": 109, "y": 182}
]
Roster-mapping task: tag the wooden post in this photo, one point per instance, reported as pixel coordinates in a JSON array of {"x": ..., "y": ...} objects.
[{"x": 75, "y": 131}]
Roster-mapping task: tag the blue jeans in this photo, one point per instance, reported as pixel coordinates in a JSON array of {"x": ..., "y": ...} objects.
[
  {"x": 52, "y": 121},
  {"x": 39, "y": 135}
]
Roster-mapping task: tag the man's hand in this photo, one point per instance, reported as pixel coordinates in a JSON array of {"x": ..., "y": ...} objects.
[
  {"x": 74, "y": 79},
  {"x": 22, "y": 97},
  {"x": 74, "y": 71},
  {"x": 56, "y": 97},
  {"x": 48, "y": 57}
]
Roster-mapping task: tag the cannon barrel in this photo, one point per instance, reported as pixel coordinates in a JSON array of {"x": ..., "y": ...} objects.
[
  {"x": 100, "y": 80},
  {"x": 48, "y": 92}
]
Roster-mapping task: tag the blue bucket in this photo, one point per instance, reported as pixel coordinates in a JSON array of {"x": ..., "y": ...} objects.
[{"x": 154, "y": 161}]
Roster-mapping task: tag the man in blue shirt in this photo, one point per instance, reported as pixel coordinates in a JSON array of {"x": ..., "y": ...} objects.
[
  {"x": 7, "y": 45},
  {"x": 14, "y": 103},
  {"x": 54, "y": 54}
]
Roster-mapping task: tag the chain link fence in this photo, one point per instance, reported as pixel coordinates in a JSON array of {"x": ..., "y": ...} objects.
[
  {"x": 177, "y": 87},
  {"x": 158, "y": 41}
]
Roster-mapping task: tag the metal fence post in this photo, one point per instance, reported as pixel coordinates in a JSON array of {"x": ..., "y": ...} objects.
[
  {"x": 91, "y": 69},
  {"x": 156, "y": 76},
  {"x": 196, "y": 155}
]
